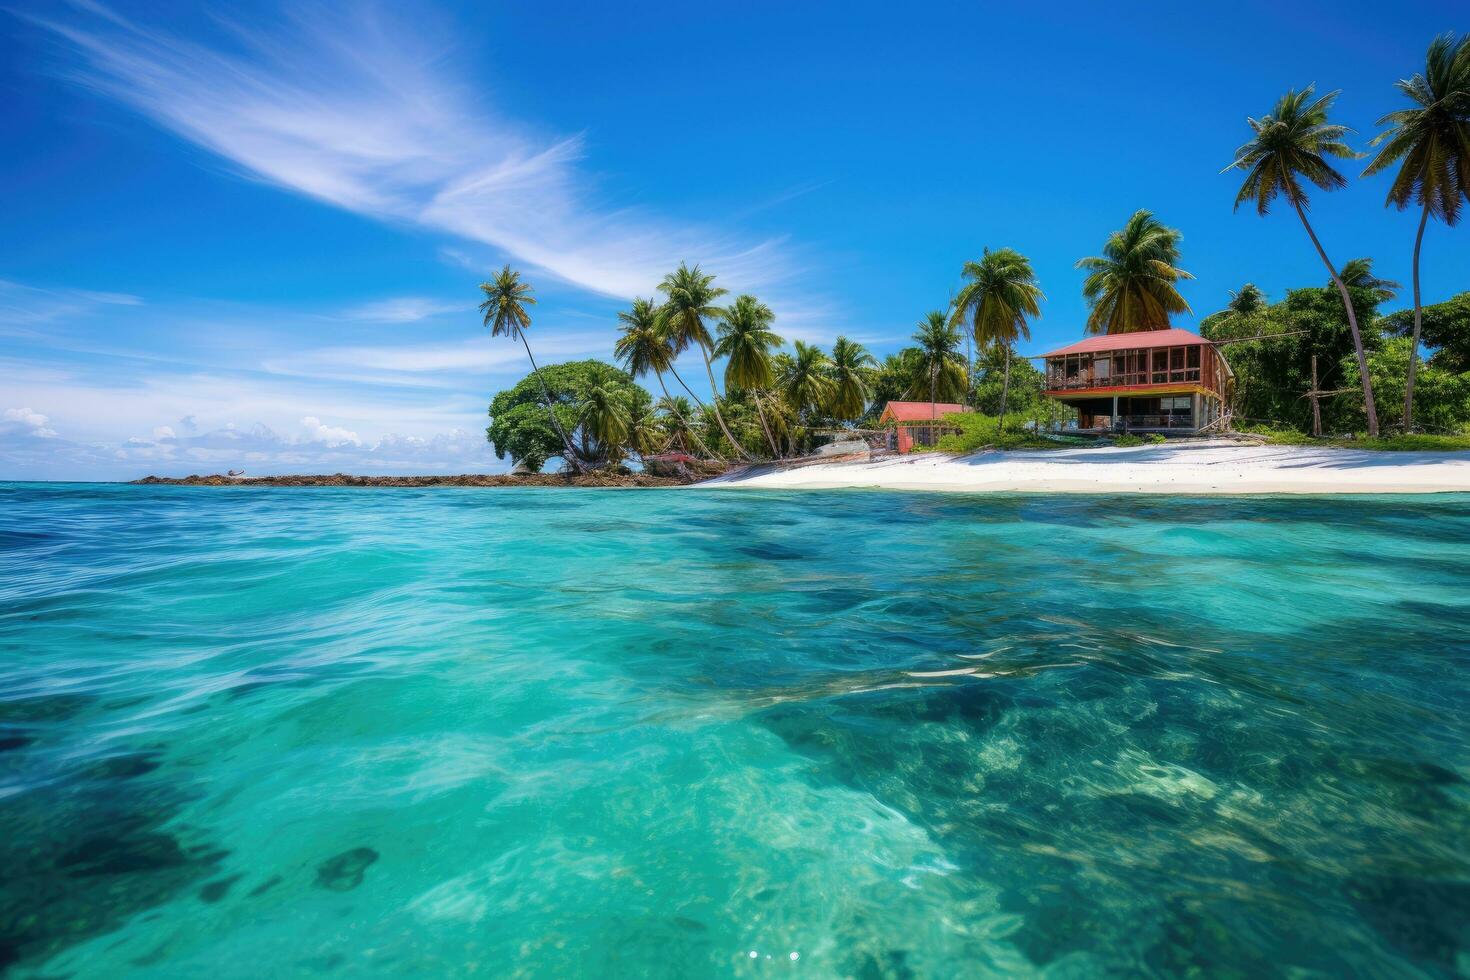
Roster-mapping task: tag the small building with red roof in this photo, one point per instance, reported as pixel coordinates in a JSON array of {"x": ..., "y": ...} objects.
[
  {"x": 918, "y": 423},
  {"x": 1169, "y": 381}
]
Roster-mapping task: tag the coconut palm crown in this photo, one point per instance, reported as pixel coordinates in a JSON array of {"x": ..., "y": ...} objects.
[
  {"x": 999, "y": 295},
  {"x": 1431, "y": 138},
  {"x": 641, "y": 346},
  {"x": 1131, "y": 286},
  {"x": 804, "y": 380},
  {"x": 746, "y": 341},
  {"x": 506, "y": 299}
]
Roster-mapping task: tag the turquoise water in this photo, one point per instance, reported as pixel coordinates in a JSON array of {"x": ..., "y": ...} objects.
[{"x": 544, "y": 733}]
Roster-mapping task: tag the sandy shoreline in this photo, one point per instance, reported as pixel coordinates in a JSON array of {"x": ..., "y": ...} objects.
[{"x": 1185, "y": 468}]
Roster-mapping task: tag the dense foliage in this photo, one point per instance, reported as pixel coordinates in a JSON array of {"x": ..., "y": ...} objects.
[
  {"x": 595, "y": 403},
  {"x": 1273, "y": 375}
]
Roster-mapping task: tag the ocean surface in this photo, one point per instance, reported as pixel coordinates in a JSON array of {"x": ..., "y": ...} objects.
[{"x": 547, "y": 733}]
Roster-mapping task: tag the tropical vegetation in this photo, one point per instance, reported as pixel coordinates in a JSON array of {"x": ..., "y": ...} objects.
[{"x": 1326, "y": 356}]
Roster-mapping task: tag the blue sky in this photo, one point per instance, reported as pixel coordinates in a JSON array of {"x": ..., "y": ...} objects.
[{"x": 249, "y": 235}]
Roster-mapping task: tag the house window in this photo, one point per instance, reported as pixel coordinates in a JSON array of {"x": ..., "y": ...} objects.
[
  {"x": 1161, "y": 367},
  {"x": 1103, "y": 367},
  {"x": 1176, "y": 407}
]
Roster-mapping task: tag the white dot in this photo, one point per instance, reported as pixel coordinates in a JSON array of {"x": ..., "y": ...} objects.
[
  {"x": 753, "y": 954},
  {"x": 795, "y": 955}
]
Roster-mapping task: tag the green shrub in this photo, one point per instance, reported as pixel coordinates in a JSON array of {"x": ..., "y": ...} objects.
[
  {"x": 1128, "y": 440},
  {"x": 1155, "y": 439},
  {"x": 980, "y": 431},
  {"x": 1281, "y": 435}
]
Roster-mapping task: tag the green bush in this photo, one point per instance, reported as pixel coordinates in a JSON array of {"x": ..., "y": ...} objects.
[
  {"x": 1128, "y": 440},
  {"x": 1155, "y": 439},
  {"x": 981, "y": 431},
  {"x": 1281, "y": 435}
]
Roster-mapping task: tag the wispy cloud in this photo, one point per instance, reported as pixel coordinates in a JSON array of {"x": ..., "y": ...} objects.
[
  {"x": 351, "y": 107},
  {"x": 404, "y": 309},
  {"x": 24, "y": 305}
]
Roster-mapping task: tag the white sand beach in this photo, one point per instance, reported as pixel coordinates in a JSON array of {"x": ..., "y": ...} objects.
[{"x": 1216, "y": 467}]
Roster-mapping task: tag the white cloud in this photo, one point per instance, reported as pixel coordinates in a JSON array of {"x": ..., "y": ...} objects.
[
  {"x": 352, "y": 108},
  {"x": 31, "y": 422},
  {"x": 161, "y": 432},
  {"x": 332, "y": 435},
  {"x": 406, "y": 309}
]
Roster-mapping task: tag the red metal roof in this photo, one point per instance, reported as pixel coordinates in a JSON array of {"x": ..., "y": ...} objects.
[
  {"x": 916, "y": 411},
  {"x": 1139, "y": 340}
]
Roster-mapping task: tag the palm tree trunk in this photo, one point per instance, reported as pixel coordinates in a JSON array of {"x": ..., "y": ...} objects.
[
  {"x": 674, "y": 371},
  {"x": 1005, "y": 391},
  {"x": 566, "y": 442},
  {"x": 1418, "y": 325},
  {"x": 715, "y": 401},
  {"x": 969, "y": 367},
  {"x": 687, "y": 427},
  {"x": 1347, "y": 303},
  {"x": 761, "y": 414}
]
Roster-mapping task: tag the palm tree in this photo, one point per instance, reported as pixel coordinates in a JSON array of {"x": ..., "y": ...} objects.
[
  {"x": 674, "y": 415},
  {"x": 1432, "y": 138},
  {"x": 645, "y": 434},
  {"x": 506, "y": 298},
  {"x": 937, "y": 356},
  {"x": 852, "y": 365},
  {"x": 1131, "y": 286},
  {"x": 746, "y": 340},
  {"x": 605, "y": 417},
  {"x": 1248, "y": 300},
  {"x": 1290, "y": 144},
  {"x": 804, "y": 379},
  {"x": 1000, "y": 294},
  {"x": 642, "y": 347},
  {"x": 691, "y": 296},
  {"x": 1358, "y": 274}
]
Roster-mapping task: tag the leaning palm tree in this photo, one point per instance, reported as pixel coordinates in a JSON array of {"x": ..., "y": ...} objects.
[
  {"x": 999, "y": 296},
  {"x": 745, "y": 341},
  {"x": 1291, "y": 144},
  {"x": 506, "y": 298},
  {"x": 937, "y": 358},
  {"x": 605, "y": 417},
  {"x": 1432, "y": 138},
  {"x": 804, "y": 381},
  {"x": 642, "y": 347},
  {"x": 1131, "y": 286},
  {"x": 852, "y": 366},
  {"x": 691, "y": 296}
]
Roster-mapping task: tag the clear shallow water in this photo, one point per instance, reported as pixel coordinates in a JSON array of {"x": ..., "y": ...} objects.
[{"x": 556, "y": 733}]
